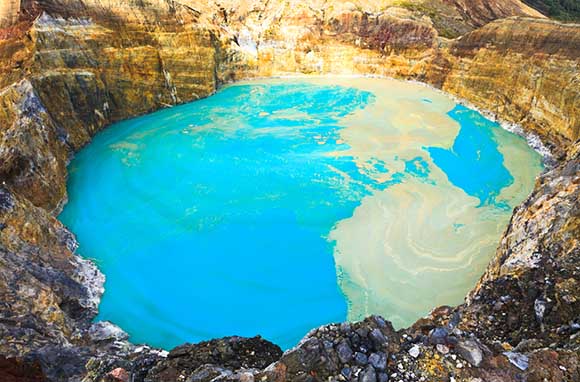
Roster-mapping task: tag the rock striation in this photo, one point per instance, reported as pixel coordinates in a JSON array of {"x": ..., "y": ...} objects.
[{"x": 70, "y": 68}]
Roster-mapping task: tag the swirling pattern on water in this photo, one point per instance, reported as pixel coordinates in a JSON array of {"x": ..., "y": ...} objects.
[{"x": 222, "y": 216}]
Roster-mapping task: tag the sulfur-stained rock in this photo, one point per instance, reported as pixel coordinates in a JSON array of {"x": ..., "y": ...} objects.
[
  {"x": 68, "y": 69},
  {"x": 231, "y": 353}
]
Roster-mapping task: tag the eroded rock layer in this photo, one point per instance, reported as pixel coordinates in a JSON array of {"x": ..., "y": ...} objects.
[{"x": 70, "y": 68}]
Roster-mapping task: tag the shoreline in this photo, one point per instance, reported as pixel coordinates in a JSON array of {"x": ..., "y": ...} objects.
[
  {"x": 533, "y": 140},
  {"x": 265, "y": 79}
]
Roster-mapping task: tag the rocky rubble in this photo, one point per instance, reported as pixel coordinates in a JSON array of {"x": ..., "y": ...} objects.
[
  {"x": 370, "y": 350},
  {"x": 232, "y": 358},
  {"x": 70, "y": 68}
]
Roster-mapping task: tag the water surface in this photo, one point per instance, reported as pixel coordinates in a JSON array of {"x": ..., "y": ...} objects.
[{"x": 274, "y": 207}]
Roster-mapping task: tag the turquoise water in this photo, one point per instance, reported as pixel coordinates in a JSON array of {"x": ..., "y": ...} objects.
[
  {"x": 474, "y": 162},
  {"x": 213, "y": 218}
]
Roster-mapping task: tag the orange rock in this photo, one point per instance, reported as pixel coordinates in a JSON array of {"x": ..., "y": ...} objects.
[{"x": 120, "y": 374}]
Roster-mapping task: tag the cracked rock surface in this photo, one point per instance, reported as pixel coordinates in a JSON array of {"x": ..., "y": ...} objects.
[{"x": 70, "y": 68}]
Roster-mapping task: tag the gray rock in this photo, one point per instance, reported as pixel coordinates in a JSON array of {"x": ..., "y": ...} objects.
[
  {"x": 442, "y": 349},
  {"x": 360, "y": 358},
  {"x": 106, "y": 331},
  {"x": 528, "y": 345},
  {"x": 378, "y": 360},
  {"x": 438, "y": 336},
  {"x": 243, "y": 376},
  {"x": 6, "y": 200},
  {"x": 234, "y": 354},
  {"x": 310, "y": 353},
  {"x": 344, "y": 352},
  {"x": 519, "y": 360},
  {"x": 540, "y": 309},
  {"x": 346, "y": 372},
  {"x": 368, "y": 375},
  {"x": 505, "y": 299},
  {"x": 362, "y": 332},
  {"x": 470, "y": 351},
  {"x": 452, "y": 340},
  {"x": 455, "y": 319},
  {"x": 207, "y": 373},
  {"x": 345, "y": 328},
  {"x": 380, "y": 321},
  {"x": 415, "y": 351},
  {"x": 378, "y": 338},
  {"x": 58, "y": 363},
  {"x": 355, "y": 339},
  {"x": 382, "y": 377},
  {"x": 564, "y": 329}
]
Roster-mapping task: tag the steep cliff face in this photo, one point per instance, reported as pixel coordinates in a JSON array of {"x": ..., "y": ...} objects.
[
  {"x": 528, "y": 78},
  {"x": 450, "y": 17},
  {"x": 47, "y": 293},
  {"x": 64, "y": 80},
  {"x": 9, "y": 12},
  {"x": 82, "y": 75},
  {"x": 536, "y": 264},
  {"x": 70, "y": 68}
]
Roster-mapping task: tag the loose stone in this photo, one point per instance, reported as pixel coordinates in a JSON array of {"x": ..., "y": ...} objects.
[
  {"x": 378, "y": 338},
  {"x": 378, "y": 360},
  {"x": 346, "y": 372},
  {"x": 438, "y": 336},
  {"x": 470, "y": 351},
  {"x": 540, "y": 309},
  {"x": 368, "y": 375},
  {"x": 383, "y": 377},
  {"x": 442, "y": 349},
  {"x": 362, "y": 332},
  {"x": 344, "y": 352},
  {"x": 517, "y": 359},
  {"x": 360, "y": 358},
  {"x": 380, "y": 321},
  {"x": 414, "y": 351}
]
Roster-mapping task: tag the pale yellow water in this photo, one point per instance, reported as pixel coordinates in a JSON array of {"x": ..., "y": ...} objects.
[{"x": 406, "y": 249}]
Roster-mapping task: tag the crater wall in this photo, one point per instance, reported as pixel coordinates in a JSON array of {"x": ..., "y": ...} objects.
[
  {"x": 78, "y": 66},
  {"x": 9, "y": 12}
]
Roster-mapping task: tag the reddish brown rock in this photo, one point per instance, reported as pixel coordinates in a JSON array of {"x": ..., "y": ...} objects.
[
  {"x": 119, "y": 374},
  {"x": 69, "y": 68},
  {"x": 20, "y": 370}
]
